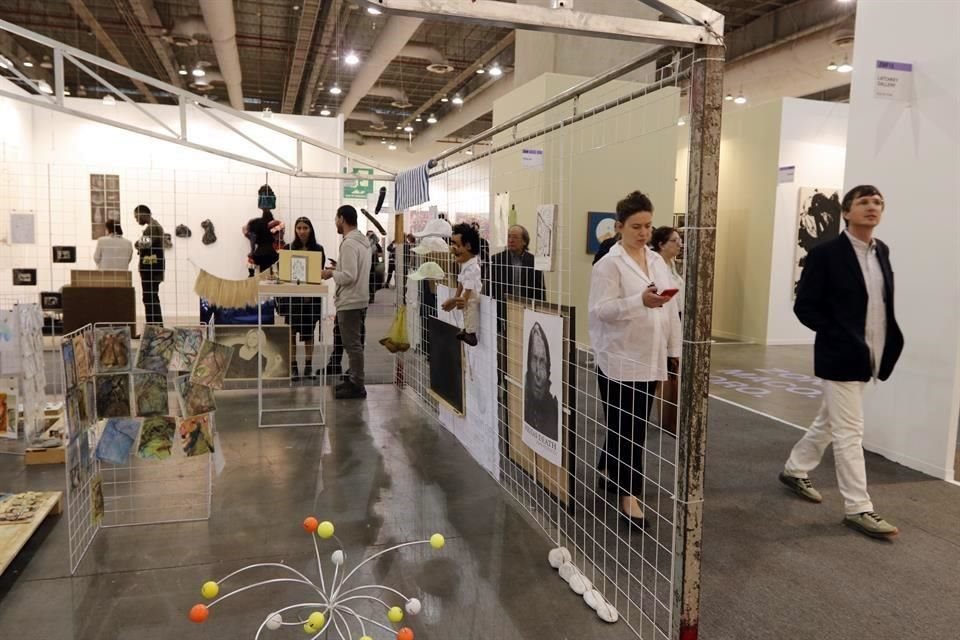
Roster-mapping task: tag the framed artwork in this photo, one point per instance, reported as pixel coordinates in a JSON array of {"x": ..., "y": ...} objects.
[
  {"x": 51, "y": 300},
  {"x": 542, "y": 383},
  {"x": 24, "y": 277},
  {"x": 446, "y": 365},
  {"x": 601, "y": 225},
  {"x": 298, "y": 268},
  {"x": 268, "y": 352},
  {"x": 819, "y": 220},
  {"x": 301, "y": 266},
  {"x": 64, "y": 254},
  {"x": 546, "y": 232},
  {"x": 104, "y": 202}
]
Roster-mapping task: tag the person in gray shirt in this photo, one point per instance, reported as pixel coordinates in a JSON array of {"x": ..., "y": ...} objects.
[{"x": 113, "y": 252}]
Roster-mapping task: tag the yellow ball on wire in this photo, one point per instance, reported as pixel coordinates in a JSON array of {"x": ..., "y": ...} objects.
[
  {"x": 210, "y": 589},
  {"x": 395, "y": 614},
  {"x": 325, "y": 529},
  {"x": 437, "y": 541},
  {"x": 316, "y": 619}
]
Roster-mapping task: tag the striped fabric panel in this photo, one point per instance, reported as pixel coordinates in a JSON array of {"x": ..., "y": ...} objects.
[{"x": 412, "y": 187}]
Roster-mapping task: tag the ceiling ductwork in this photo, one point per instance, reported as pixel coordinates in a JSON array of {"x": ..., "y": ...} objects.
[
  {"x": 222, "y": 26},
  {"x": 376, "y": 122},
  {"x": 185, "y": 31},
  {"x": 397, "y": 97},
  {"x": 438, "y": 62}
]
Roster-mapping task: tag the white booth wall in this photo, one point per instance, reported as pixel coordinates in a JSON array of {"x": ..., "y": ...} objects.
[{"x": 910, "y": 151}]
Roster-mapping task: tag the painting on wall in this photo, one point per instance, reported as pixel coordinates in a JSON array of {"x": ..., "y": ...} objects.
[
  {"x": 819, "y": 220},
  {"x": 600, "y": 226},
  {"x": 104, "y": 202}
]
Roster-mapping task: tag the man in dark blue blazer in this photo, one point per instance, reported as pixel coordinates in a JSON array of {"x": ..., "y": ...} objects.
[{"x": 846, "y": 296}]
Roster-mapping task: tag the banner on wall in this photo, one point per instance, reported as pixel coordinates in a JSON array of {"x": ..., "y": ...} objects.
[{"x": 543, "y": 384}]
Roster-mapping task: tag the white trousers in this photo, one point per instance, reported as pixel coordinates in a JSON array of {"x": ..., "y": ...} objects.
[{"x": 840, "y": 421}]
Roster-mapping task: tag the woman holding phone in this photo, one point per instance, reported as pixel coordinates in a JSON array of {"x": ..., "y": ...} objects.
[{"x": 635, "y": 329}]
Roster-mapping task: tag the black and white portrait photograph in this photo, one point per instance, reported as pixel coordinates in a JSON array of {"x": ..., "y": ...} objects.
[
  {"x": 543, "y": 384},
  {"x": 819, "y": 220},
  {"x": 266, "y": 349}
]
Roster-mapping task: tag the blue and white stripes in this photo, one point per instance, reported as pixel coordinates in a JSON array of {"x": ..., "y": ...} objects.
[{"x": 412, "y": 187}]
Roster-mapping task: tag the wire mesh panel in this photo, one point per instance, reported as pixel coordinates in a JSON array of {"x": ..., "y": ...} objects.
[{"x": 589, "y": 454}]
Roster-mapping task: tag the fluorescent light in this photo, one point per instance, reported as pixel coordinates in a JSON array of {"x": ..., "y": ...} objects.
[
  {"x": 846, "y": 67},
  {"x": 352, "y": 59},
  {"x": 198, "y": 72},
  {"x": 832, "y": 66},
  {"x": 44, "y": 87},
  {"x": 740, "y": 99},
  {"x": 432, "y": 119},
  {"x": 336, "y": 90},
  {"x": 109, "y": 101},
  {"x": 392, "y": 147},
  {"x": 457, "y": 99},
  {"x": 408, "y": 129},
  {"x": 374, "y": 11},
  {"x": 28, "y": 63},
  {"x": 481, "y": 71},
  {"x": 325, "y": 112},
  {"x": 496, "y": 71},
  {"x": 444, "y": 99}
]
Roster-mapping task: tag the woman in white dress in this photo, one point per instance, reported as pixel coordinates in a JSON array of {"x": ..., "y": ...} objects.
[{"x": 635, "y": 328}]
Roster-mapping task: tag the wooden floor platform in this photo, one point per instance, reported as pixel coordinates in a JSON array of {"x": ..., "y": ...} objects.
[{"x": 13, "y": 537}]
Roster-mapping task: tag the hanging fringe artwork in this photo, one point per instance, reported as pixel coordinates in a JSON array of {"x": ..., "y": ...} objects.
[{"x": 228, "y": 294}]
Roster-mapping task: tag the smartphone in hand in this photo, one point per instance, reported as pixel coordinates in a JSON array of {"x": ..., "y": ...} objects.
[{"x": 669, "y": 293}]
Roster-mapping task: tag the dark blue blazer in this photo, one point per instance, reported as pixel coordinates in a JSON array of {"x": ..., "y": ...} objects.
[{"x": 832, "y": 300}]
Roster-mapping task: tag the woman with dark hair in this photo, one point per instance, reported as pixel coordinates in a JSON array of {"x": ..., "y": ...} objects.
[
  {"x": 667, "y": 242},
  {"x": 635, "y": 331},
  {"x": 265, "y": 233},
  {"x": 540, "y": 408},
  {"x": 303, "y": 314}
]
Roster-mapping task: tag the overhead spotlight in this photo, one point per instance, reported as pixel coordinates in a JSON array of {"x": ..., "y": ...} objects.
[
  {"x": 408, "y": 129},
  {"x": 728, "y": 97},
  {"x": 392, "y": 147},
  {"x": 740, "y": 99},
  {"x": 28, "y": 63},
  {"x": 496, "y": 71},
  {"x": 295, "y": 7},
  {"x": 81, "y": 91},
  {"x": 383, "y": 141},
  {"x": 109, "y": 101},
  {"x": 352, "y": 59},
  {"x": 457, "y": 99},
  {"x": 182, "y": 70},
  {"x": 267, "y": 113},
  {"x": 325, "y": 112},
  {"x": 681, "y": 122},
  {"x": 46, "y": 64},
  {"x": 198, "y": 72},
  {"x": 44, "y": 87},
  {"x": 469, "y": 152},
  {"x": 374, "y": 11},
  {"x": 832, "y": 66},
  {"x": 335, "y": 89},
  {"x": 419, "y": 119},
  {"x": 432, "y": 119},
  {"x": 481, "y": 71},
  {"x": 399, "y": 128},
  {"x": 846, "y": 67},
  {"x": 444, "y": 99}
]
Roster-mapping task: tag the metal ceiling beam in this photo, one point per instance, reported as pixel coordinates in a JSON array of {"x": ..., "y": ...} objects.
[
  {"x": 309, "y": 12},
  {"x": 467, "y": 73},
  {"x": 567, "y": 21},
  {"x": 320, "y": 62},
  {"x": 104, "y": 38},
  {"x": 17, "y": 54},
  {"x": 478, "y": 104},
  {"x": 150, "y": 22}
]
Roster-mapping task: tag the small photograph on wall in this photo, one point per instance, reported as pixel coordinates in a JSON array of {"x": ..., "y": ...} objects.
[
  {"x": 819, "y": 220},
  {"x": 543, "y": 384},
  {"x": 24, "y": 277},
  {"x": 268, "y": 352},
  {"x": 546, "y": 232},
  {"x": 601, "y": 225}
]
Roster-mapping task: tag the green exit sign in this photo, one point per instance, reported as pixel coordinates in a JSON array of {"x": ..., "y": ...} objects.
[{"x": 360, "y": 189}]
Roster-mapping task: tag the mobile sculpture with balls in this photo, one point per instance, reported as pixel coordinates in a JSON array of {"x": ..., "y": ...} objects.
[{"x": 332, "y": 606}]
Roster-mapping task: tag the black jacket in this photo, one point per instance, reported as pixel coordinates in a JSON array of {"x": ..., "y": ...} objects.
[
  {"x": 832, "y": 300},
  {"x": 530, "y": 286}
]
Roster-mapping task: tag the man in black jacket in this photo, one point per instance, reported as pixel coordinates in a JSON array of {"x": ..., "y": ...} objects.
[
  {"x": 846, "y": 295},
  {"x": 512, "y": 272}
]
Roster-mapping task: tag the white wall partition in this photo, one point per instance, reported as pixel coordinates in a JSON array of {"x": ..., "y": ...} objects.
[{"x": 910, "y": 151}]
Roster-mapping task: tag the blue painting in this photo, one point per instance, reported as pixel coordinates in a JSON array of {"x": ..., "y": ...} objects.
[
  {"x": 119, "y": 437},
  {"x": 600, "y": 226}
]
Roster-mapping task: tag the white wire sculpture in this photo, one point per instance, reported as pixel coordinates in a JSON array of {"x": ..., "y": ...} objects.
[{"x": 331, "y": 608}]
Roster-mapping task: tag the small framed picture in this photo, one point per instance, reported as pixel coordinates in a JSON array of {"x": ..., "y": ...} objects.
[
  {"x": 64, "y": 254},
  {"x": 298, "y": 268},
  {"x": 601, "y": 226},
  {"x": 24, "y": 277},
  {"x": 51, "y": 300}
]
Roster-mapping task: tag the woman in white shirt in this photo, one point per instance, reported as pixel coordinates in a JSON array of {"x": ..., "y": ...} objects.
[{"x": 634, "y": 331}]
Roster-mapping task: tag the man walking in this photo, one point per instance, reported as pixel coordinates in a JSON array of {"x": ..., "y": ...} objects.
[
  {"x": 846, "y": 295},
  {"x": 151, "y": 264},
  {"x": 352, "y": 276}
]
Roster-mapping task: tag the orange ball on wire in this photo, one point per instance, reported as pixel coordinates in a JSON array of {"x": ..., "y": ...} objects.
[
  {"x": 405, "y": 634},
  {"x": 199, "y": 613},
  {"x": 310, "y": 524}
]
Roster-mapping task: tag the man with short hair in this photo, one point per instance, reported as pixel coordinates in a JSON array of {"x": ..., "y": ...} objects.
[
  {"x": 846, "y": 295},
  {"x": 151, "y": 264},
  {"x": 113, "y": 252},
  {"x": 352, "y": 276}
]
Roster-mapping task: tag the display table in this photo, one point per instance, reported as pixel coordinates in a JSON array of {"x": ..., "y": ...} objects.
[
  {"x": 300, "y": 404},
  {"x": 13, "y": 537}
]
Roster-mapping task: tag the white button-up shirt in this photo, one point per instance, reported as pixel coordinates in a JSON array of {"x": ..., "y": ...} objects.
[
  {"x": 875, "y": 330},
  {"x": 631, "y": 341}
]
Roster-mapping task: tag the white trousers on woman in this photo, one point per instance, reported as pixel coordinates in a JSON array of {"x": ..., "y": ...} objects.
[{"x": 840, "y": 421}]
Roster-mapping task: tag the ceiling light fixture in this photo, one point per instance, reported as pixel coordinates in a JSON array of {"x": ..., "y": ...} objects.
[
  {"x": 399, "y": 128},
  {"x": 324, "y": 112},
  {"x": 740, "y": 99},
  {"x": 28, "y": 63},
  {"x": 729, "y": 97},
  {"x": 392, "y": 147},
  {"x": 46, "y": 64},
  {"x": 295, "y": 7},
  {"x": 352, "y": 59},
  {"x": 846, "y": 67},
  {"x": 383, "y": 141},
  {"x": 469, "y": 152},
  {"x": 335, "y": 89},
  {"x": 832, "y": 66},
  {"x": 681, "y": 122},
  {"x": 109, "y": 101},
  {"x": 457, "y": 99},
  {"x": 481, "y": 71},
  {"x": 432, "y": 119},
  {"x": 419, "y": 119},
  {"x": 444, "y": 99},
  {"x": 44, "y": 87},
  {"x": 496, "y": 71},
  {"x": 374, "y": 11},
  {"x": 408, "y": 129},
  {"x": 182, "y": 70},
  {"x": 198, "y": 72},
  {"x": 66, "y": 91}
]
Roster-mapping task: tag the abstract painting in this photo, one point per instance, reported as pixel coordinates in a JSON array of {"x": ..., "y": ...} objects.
[
  {"x": 187, "y": 342},
  {"x": 74, "y": 425},
  {"x": 150, "y": 392},
  {"x": 211, "y": 366},
  {"x": 116, "y": 442},
  {"x": 69, "y": 363},
  {"x": 156, "y": 437},
  {"x": 87, "y": 406},
  {"x": 83, "y": 357},
  {"x": 195, "y": 399},
  {"x": 546, "y": 237},
  {"x": 819, "y": 218},
  {"x": 196, "y": 435},
  {"x": 156, "y": 349},
  {"x": 113, "y": 349},
  {"x": 268, "y": 352},
  {"x": 113, "y": 396}
]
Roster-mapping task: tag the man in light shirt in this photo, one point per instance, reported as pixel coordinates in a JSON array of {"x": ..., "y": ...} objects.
[
  {"x": 113, "y": 252},
  {"x": 846, "y": 295}
]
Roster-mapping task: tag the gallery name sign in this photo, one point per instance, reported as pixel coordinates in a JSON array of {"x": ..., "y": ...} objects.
[{"x": 894, "y": 81}]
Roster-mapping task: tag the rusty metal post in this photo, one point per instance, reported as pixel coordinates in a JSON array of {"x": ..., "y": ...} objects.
[{"x": 706, "y": 106}]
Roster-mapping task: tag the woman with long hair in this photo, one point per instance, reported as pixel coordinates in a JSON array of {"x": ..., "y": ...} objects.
[{"x": 304, "y": 313}]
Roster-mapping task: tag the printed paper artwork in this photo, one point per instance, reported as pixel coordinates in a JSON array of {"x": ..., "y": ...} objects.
[
  {"x": 156, "y": 437},
  {"x": 117, "y": 440},
  {"x": 819, "y": 220},
  {"x": 113, "y": 396},
  {"x": 195, "y": 399},
  {"x": 150, "y": 392},
  {"x": 187, "y": 342},
  {"x": 113, "y": 349},
  {"x": 196, "y": 435},
  {"x": 157, "y": 346},
  {"x": 211, "y": 366}
]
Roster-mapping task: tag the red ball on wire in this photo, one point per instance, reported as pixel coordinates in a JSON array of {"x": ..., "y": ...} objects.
[
  {"x": 405, "y": 634},
  {"x": 310, "y": 524},
  {"x": 200, "y": 613}
]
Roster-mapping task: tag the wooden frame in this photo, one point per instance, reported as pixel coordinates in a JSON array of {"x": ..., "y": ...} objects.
[{"x": 443, "y": 333}]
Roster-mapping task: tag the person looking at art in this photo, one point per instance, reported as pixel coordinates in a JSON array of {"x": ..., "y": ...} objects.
[
  {"x": 351, "y": 275},
  {"x": 512, "y": 272},
  {"x": 635, "y": 331},
  {"x": 151, "y": 264},
  {"x": 540, "y": 407},
  {"x": 667, "y": 242},
  {"x": 845, "y": 295},
  {"x": 303, "y": 313},
  {"x": 465, "y": 247},
  {"x": 113, "y": 252},
  {"x": 265, "y": 233}
]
